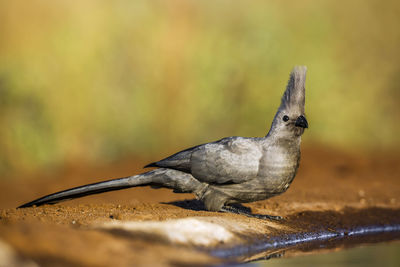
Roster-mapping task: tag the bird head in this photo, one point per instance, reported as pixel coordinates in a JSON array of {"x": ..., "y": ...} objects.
[{"x": 290, "y": 120}]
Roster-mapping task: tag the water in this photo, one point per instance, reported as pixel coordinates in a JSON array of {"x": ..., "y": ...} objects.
[
  {"x": 382, "y": 255},
  {"x": 363, "y": 246}
]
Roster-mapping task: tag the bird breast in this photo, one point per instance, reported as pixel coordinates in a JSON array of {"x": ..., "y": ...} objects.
[{"x": 278, "y": 167}]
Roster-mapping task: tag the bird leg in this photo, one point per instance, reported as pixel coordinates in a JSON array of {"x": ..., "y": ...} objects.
[{"x": 235, "y": 210}]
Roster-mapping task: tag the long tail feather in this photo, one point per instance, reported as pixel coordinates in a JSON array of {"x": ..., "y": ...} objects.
[{"x": 91, "y": 189}]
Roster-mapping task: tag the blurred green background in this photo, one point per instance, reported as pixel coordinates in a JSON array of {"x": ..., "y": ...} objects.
[{"x": 96, "y": 81}]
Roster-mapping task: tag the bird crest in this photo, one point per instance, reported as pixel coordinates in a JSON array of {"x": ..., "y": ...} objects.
[{"x": 294, "y": 96}]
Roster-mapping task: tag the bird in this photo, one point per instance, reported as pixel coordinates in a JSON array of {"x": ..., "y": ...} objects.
[{"x": 228, "y": 172}]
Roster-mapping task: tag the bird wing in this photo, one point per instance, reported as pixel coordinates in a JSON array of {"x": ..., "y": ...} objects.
[{"x": 230, "y": 160}]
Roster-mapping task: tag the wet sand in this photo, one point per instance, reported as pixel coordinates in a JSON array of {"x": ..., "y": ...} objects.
[{"x": 335, "y": 191}]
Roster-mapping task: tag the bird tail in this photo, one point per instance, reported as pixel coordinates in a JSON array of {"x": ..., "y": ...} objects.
[{"x": 180, "y": 182}]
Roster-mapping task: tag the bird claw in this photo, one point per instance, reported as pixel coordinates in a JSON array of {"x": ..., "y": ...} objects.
[
  {"x": 265, "y": 216},
  {"x": 235, "y": 210}
]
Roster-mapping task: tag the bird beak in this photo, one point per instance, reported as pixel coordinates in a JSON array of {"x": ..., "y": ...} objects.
[{"x": 301, "y": 122}]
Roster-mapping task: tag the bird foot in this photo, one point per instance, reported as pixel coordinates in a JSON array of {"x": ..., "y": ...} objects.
[{"x": 235, "y": 210}]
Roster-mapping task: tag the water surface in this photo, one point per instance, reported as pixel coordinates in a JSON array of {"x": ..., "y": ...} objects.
[{"x": 382, "y": 254}]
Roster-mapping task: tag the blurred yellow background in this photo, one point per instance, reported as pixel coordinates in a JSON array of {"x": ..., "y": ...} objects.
[{"x": 96, "y": 81}]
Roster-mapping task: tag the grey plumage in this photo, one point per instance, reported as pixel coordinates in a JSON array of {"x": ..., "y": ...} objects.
[{"x": 227, "y": 171}]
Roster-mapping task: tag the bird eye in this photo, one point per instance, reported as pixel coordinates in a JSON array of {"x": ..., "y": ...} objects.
[{"x": 285, "y": 118}]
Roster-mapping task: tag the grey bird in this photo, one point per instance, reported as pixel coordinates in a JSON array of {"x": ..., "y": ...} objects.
[{"x": 228, "y": 171}]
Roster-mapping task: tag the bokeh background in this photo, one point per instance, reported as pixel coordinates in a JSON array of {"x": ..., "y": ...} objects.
[{"x": 99, "y": 81}]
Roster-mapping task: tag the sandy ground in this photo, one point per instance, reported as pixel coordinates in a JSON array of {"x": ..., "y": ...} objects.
[{"x": 333, "y": 190}]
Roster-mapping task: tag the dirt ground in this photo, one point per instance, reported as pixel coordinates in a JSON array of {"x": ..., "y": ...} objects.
[{"x": 334, "y": 189}]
